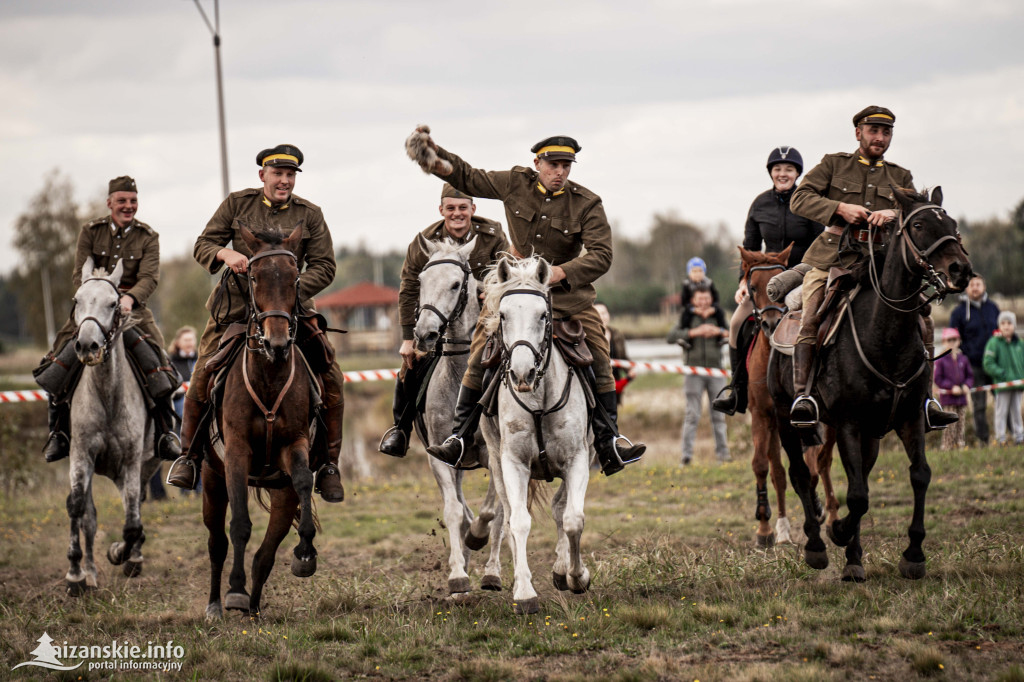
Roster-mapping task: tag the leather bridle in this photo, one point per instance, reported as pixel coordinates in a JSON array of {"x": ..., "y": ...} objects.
[
  {"x": 257, "y": 316},
  {"x": 456, "y": 313},
  {"x": 115, "y": 326}
]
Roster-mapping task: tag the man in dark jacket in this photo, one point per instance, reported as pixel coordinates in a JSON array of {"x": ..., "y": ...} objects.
[{"x": 976, "y": 320}]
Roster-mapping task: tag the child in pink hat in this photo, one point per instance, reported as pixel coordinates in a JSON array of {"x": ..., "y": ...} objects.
[{"x": 954, "y": 378}]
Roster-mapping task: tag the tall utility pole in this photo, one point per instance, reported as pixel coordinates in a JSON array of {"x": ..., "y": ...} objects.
[{"x": 215, "y": 32}]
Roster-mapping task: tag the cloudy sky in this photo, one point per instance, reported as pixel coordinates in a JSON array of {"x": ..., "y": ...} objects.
[{"x": 676, "y": 103}]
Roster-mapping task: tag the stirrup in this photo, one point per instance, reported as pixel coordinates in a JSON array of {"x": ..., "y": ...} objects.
[
  {"x": 183, "y": 484},
  {"x": 433, "y": 450},
  {"x": 726, "y": 404},
  {"x": 802, "y": 423},
  {"x": 927, "y": 419},
  {"x": 618, "y": 453},
  {"x": 405, "y": 442}
]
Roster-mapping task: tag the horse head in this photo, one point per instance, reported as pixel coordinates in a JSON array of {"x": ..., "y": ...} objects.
[
  {"x": 446, "y": 287},
  {"x": 757, "y": 269},
  {"x": 930, "y": 241},
  {"x": 273, "y": 288},
  {"x": 97, "y": 312},
  {"x": 519, "y": 309}
]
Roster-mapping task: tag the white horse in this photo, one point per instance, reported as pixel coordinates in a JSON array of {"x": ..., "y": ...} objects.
[
  {"x": 111, "y": 432},
  {"x": 541, "y": 429},
  {"x": 448, "y": 312}
]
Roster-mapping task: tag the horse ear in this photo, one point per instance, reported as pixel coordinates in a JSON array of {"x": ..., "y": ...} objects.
[
  {"x": 543, "y": 271},
  {"x": 87, "y": 268},
  {"x": 936, "y": 197},
  {"x": 426, "y": 246},
  {"x": 467, "y": 249},
  {"x": 248, "y": 237},
  {"x": 783, "y": 256},
  {"x": 905, "y": 202},
  {"x": 504, "y": 270},
  {"x": 291, "y": 242},
  {"x": 115, "y": 276}
]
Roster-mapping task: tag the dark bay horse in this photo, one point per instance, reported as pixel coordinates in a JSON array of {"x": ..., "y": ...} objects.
[
  {"x": 757, "y": 269},
  {"x": 264, "y": 421},
  {"x": 875, "y": 377}
]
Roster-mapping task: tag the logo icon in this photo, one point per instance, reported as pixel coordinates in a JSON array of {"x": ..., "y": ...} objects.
[{"x": 46, "y": 656}]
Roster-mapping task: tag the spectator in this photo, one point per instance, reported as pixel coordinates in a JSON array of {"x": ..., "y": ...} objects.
[
  {"x": 1004, "y": 361},
  {"x": 701, "y": 332},
  {"x": 182, "y": 352},
  {"x": 976, "y": 320},
  {"x": 617, "y": 348},
  {"x": 955, "y": 379},
  {"x": 696, "y": 275}
]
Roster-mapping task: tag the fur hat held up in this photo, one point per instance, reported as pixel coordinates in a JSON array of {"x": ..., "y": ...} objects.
[{"x": 421, "y": 149}]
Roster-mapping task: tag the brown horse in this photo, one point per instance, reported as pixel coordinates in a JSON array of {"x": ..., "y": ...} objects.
[
  {"x": 264, "y": 421},
  {"x": 757, "y": 269}
]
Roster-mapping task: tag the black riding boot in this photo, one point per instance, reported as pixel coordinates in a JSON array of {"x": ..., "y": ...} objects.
[
  {"x": 184, "y": 473},
  {"x": 58, "y": 445},
  {"x": 613, "y": 459},
  {"x": 168, "y": 445},
  {"x": 736, "y": 400},
  {"x": 396, "y": 439},
  {"x": 804, "y": 412},
  {"x": 467, "y": 418}
]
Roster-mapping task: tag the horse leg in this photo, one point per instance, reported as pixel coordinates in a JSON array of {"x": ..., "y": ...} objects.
[
  {"x": 516, "y": 478},
  {"x": 128, "y": 553},
  {"x": 81, "y": 474},
  {"x": 283, "y": 504},
  {"x": 561, "y": 566},
  {"x": 88, "y": 527},
  {"x": 492, "y": 518},
  {"x": 912, "y": 563},
  {"x": 215, "y": 512},
  {"x": 304, "y": 554},
  {"x": 760, "y": 433},
  {"x": 858, "y": 455},
  {"x": 573, "y": 520},
  {"x": 236, "y": 470},
  {"x": 453, "y": 510},
  {"x": 782, "y": 527},
  {"x": 823, "y": 459},
  {"x": 800, "y": 476}
]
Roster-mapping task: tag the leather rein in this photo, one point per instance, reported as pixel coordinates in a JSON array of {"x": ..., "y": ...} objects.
[{"x": 460, "y": 307}]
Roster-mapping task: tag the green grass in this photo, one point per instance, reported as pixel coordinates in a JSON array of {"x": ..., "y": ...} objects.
[{"x": 679, "y": 590}]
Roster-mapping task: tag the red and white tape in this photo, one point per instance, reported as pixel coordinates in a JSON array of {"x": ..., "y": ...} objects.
[{"x": 672, "y": 369}]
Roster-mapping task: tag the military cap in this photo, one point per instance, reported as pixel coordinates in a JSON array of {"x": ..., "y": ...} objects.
[
  {"x": 874, "y": 116},
  {"x": 121, "y": 184},
  {"x": 283, "y": 155},
  {"x": 449, "y": 192},
  {"x": 557, "y": 147}
]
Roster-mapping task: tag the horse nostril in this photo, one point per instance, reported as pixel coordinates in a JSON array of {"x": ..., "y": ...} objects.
[{"x": 530, "y": 376}]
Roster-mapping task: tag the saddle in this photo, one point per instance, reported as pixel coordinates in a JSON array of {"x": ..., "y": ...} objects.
[
  {"x": 571, "y": 340},
  {"x": 831, "y": 313}
]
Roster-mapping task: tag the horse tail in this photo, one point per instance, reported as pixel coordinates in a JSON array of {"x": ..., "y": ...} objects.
[
  {"x": 265, "y": 505},
  {"x": 537, "y": 491}
]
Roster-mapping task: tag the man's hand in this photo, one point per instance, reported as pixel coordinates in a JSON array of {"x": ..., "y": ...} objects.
[
  {"x": 956, "y": 390},
  {"x": 741, "y": 292},
  {"x": 235, "y": 261},
  {"x": 852, "y": 213},
  {"x": 127, "y": 302},
  {"x": 880, "y": 218},
  {"x": 557, "y": 274},
  {"x": 422, "y": 149},
  {"x": 408, "y": 353}
]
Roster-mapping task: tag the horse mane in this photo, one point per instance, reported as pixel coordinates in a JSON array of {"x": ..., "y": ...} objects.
[{"x": 522, "y": 275}]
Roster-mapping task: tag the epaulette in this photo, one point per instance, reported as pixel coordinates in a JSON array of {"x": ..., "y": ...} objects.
[
  {"x": 304, "y": 202},
  {"x": 486, "y": 226},
  {"x": 144, "y": 226},
  {"x": 582, "y": 191},
  {"x": 105, "y": 220},
  {"x": 887, "y": 162},
  {"x": 843, "y": 155}
]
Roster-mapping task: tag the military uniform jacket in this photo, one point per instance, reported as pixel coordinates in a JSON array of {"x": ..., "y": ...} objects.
[
  {"x": 557, "y": 227},
  {"x": 138, "y": 246},
  {"x": 844, "y": 178},
  {"x": 316, "y": 250},
  {"x": 490, "y": 241}
]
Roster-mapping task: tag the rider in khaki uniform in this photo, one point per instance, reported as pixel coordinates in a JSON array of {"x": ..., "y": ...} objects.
[
  {"x": 459, "y": 224},
  {"x": 847, "y": 192},
  {"x": 556, "y": 219},
  {"x": 272, "y": 205},
  {"x": 117, "y": 237}
]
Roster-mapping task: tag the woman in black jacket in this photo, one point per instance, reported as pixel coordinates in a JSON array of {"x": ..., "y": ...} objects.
[{"x": 772, "y": 225}]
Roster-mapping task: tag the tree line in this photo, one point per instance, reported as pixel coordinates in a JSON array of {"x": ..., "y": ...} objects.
[{"x": 644, "y": 271}]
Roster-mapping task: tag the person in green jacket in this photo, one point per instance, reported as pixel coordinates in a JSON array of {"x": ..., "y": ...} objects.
[{"x": 1004, "y": 361}]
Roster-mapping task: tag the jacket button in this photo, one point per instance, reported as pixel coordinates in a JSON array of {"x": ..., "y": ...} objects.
[
  {"x": 543, "y": 217},
  {"x": 870, "y": 186},
  {"x": 867, "y": 203},
  {"x": 538, "y": 236},
  {"x": 517, "y": 212}
]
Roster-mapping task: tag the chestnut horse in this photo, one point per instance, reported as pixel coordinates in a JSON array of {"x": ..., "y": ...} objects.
[
  {"x": 264, "y": 419},
  {"x": 757, "y": 269}
]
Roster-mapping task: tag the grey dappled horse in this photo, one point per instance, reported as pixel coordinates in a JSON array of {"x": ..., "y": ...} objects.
[
  {"x": 541, "y": 427},
  {"x": 111, "y": 432},
  {"x": 448, "y": 287}
]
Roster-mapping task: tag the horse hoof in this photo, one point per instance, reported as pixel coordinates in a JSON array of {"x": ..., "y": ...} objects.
[
  {"x": 115, "y": 553},
  {"x": 526, "y": 606},
  {"x": 836, "y": 540},
  {"x": 560, "y": 581},
  {"x": 79, "y": 588},
  {"x": 816, "y": 560},
  {"x": 491, "y": 583},
  {"x": 474, "y": 543},
  {"x": 912, "y": 570},
  {"x": 580, "y": 585},
  {"x": 236, "y": 601},
  {"x": 853, "y": 573},
  {"x": 766, "y": 541},
  {"x": 214, "y": 612},
  {"x": 303, "y": 568},
  {"x": 132, "y": 568},
  {"x": 458, "y": 585}
]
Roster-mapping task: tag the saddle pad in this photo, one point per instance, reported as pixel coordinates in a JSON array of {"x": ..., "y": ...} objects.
[{"x": 784, "y": 337}]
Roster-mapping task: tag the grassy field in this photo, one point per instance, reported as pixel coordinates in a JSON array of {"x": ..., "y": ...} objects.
[{"x": 679, "y": 592}]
